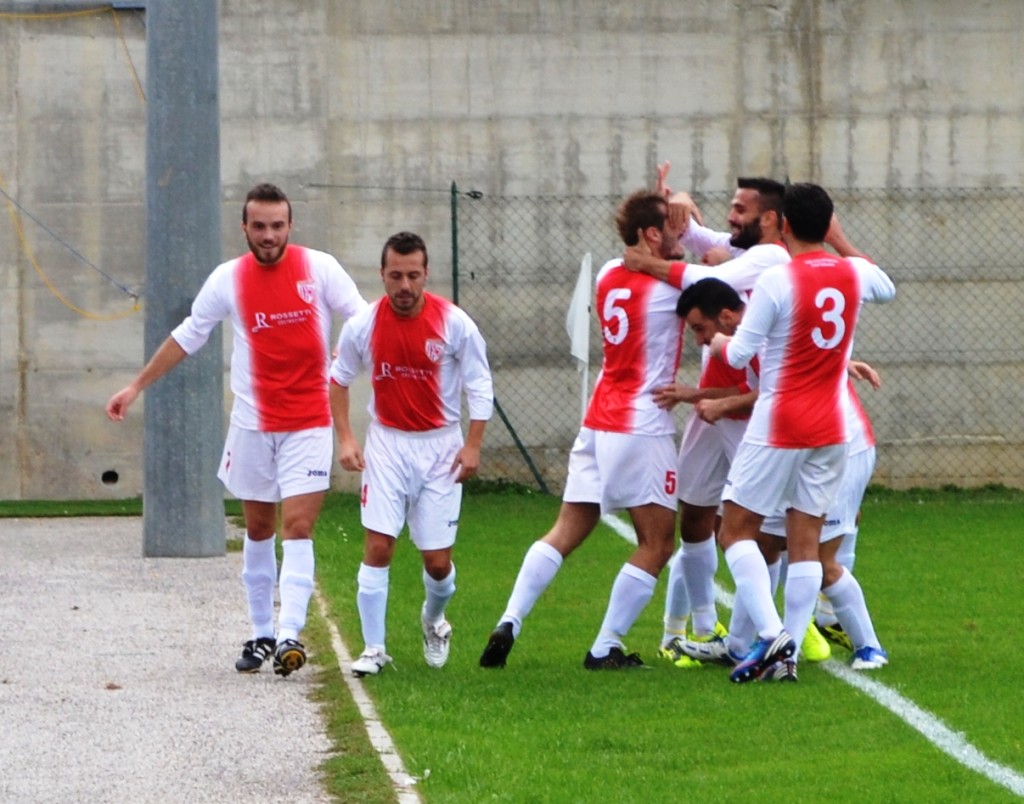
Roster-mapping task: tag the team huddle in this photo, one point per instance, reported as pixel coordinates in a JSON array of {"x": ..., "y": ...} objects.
[{"x": 775, "y": 455}]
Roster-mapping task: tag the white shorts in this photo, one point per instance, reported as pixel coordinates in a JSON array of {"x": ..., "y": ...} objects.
[
  {"x": 270, "y": 467},
  {"x": 841, "y": 518},
  {"x": 621, "y": 470},
  {"x": 705, "y": 456},
  {"x": 409, "y": 478},
  {"x": 769, "y": 479}
]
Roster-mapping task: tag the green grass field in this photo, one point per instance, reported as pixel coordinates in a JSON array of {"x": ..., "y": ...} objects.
[{"x": 941, "y": 573}]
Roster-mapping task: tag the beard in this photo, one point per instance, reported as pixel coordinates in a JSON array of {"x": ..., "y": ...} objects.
[
  {"x": 749, "y": 235},
  {"x": 267, "y": 255}
]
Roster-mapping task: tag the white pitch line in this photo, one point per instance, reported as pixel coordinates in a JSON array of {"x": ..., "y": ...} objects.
[
  {"x": 934, "y": 730},
  {"x": 380, "y": 739},
  {"x": 930, "y": 727}
]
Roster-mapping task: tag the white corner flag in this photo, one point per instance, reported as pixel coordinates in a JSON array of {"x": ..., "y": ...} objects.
[{"x": 577, "y": 323}]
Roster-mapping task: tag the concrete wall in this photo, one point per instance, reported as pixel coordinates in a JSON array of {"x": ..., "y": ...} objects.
[{"x": 366, "y": 112}]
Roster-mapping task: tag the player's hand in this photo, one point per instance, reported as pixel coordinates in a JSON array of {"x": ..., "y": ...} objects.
[
  {"x": 710, "y": 410},
  {"x": 351, "y": 456},
  {"x": 662, "y": 187},
  {"x": 119, "y": 403},
  {"x": 716, "y": 255},
  {"x": 668, "y": 396},
  {"x": 467, "y": 463},
  {"x": 680, "y": 209},
  {"x": 718, "y": 343},
  {"x": 860, "y": 370},
  {"x": 636, "y": 257}
]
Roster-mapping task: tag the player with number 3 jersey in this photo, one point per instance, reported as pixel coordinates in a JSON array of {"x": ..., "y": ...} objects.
[{"x": 800, "y": 322}]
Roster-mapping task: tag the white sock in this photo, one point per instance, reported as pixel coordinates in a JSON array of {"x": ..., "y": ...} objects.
[
  {"x": 632, "y": 590},
  {"x": 775, "y": 574},
  {"x": 802, "y": 584},
  {"x": 677, "y": 601},
  {"x": 259, "y": 576},
  {"x": 852, "y": 611},
  {"x": 700, "y": 563},
  {"x": 824, "y": 614},
  {"x": 750, "y": 573},
  {"x": 847, "y": 553},
  {"x": 438, "y": 593},
  {"x": 540, "y": 565},
  {"x": 372, "y": 602},
  {"x": 742, "y": 632},
  {"x": 296, "y": 586}
]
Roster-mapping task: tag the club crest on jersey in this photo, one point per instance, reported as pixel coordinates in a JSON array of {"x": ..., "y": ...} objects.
[
  {"x": 435, "y": 349},
  {"x": 307, "y": 291}
]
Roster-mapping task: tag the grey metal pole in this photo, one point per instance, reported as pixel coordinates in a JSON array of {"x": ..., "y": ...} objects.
[{"x": 183, "y": 504}]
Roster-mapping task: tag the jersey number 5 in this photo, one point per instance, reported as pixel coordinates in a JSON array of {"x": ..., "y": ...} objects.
[
  {"x": 613, "y": 314},
  {"x": 832, "y": 304}
]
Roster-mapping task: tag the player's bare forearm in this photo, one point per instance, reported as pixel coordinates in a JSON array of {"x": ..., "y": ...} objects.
[
  {"x": 641, "y": 258},
  {"x": 860, "y": 370},
  {"x": 668, "y": 396},
  {"x": 350, "y": 454},
  {"x": 836, "y": 237},
  {"x": 169, "y": 355},
  {"x": 735, "y": 404},
  {"x": 467, "y": 460}
]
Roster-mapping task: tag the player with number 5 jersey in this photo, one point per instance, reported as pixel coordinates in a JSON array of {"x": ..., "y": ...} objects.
[{"x": 624, "y": 455}]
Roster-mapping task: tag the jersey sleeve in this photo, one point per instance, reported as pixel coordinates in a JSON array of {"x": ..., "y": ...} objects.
[
  {"x": 742, "y": 272},
  {"x": 348, "y": 359},
  {"x": 875, "y": 284},
  {"x": 340, "y": 291},
  {"x": 760, "y": 315},
  {"x": 475, "y": 370},
  {"x": 211, "y": 306},
  {"x": 700, "y": 239}
]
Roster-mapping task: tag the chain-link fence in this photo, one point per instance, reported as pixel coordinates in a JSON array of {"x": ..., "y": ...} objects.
[{"x": 950, "y": 348}]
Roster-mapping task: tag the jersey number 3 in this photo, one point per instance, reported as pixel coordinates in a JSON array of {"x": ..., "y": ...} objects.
[{"x": 832, "y": 304}]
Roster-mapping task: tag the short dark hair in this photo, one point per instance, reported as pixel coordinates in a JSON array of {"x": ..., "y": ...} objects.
[
  {"x": 404, "y": 243},
  {"x": 808, "y": 209},
  {"x": 265, "y": 192},
  {"x": 642, "y": 209},
  {"x": 769, "y": 193},
  {"x": 710, "y": 296}
]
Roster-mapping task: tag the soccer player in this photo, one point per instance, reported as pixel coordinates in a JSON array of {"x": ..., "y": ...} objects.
[
  {"x": 801, "y": 318},
  {"x": 624, "y": 454},
  {"x": 721, "y": 407},
  {"x": 279, "y": 298},
  {"x": 422, "y": 353},
  {"x": 711, "y": 306}
]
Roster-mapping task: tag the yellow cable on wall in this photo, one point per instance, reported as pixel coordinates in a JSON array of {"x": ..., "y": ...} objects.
[{"x": 12, "y": 210}]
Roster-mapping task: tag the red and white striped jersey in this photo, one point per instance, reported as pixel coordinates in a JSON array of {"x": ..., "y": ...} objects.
[
  {"x": 419, "y": 365},
  {"x": 641, "y": 347},
  {"x": 281, "y": 317},
  {"x": 802, "y": 317}
]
